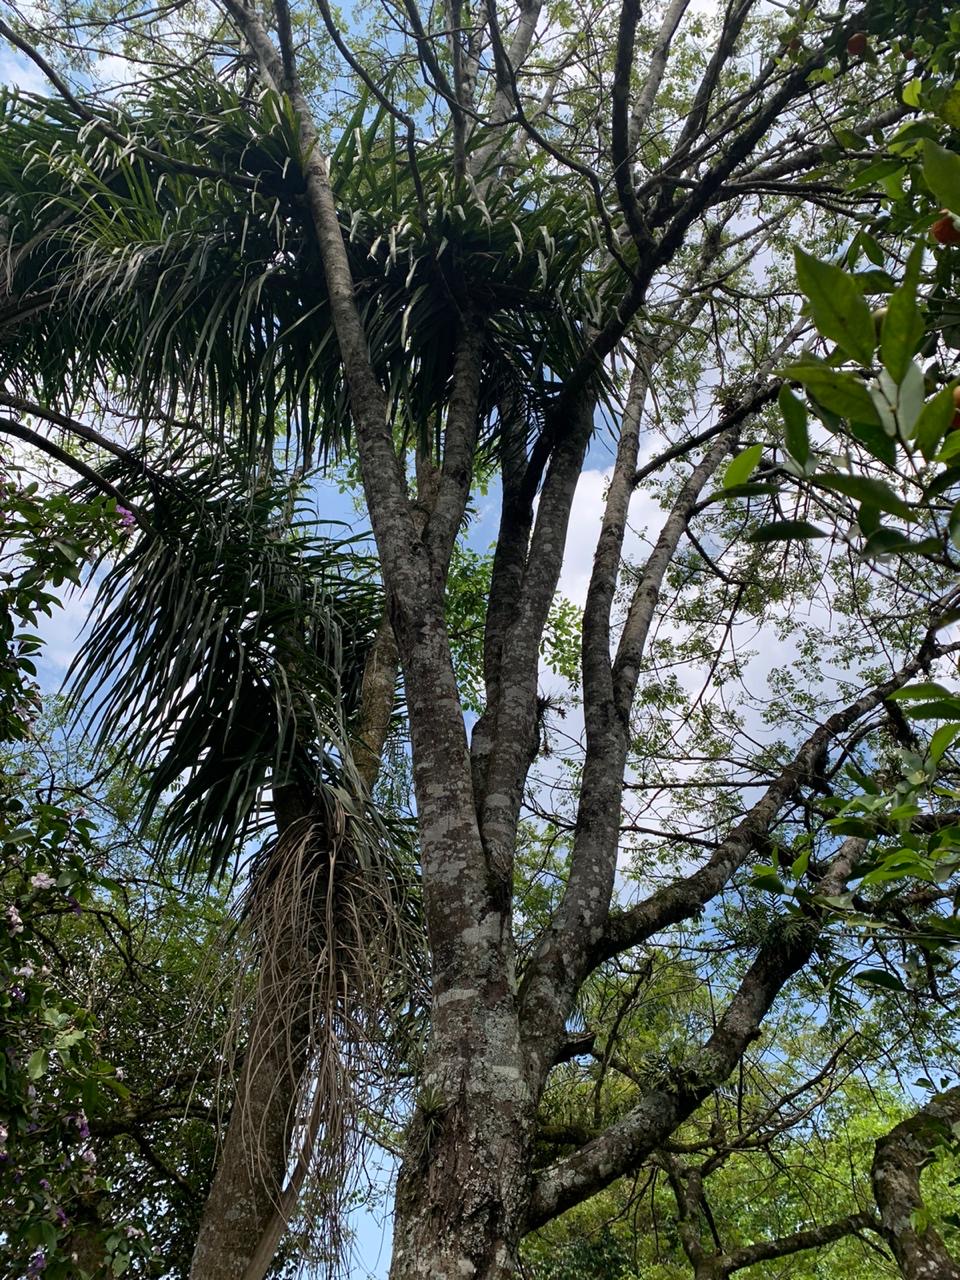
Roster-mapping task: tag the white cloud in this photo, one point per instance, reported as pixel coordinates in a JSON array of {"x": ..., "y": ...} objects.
[
  {"x": 61, "y": 634},
  {"x": 19, "y": 72}
]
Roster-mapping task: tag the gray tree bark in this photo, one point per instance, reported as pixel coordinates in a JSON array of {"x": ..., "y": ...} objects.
[{"x": 899, "y": 1159}]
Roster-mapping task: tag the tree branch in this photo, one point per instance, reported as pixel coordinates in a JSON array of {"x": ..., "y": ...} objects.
[{"x": 650, "y": 1122}]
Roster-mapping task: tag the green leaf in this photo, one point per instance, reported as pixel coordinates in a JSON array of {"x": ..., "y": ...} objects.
[
  {"x": 742, "y": 466},
  {"x": 951, "y": 448},
  {"x": 941, "y": 172},
  {"x": 871, "y": 248},
  {"x": 754, "y": 490},
  {"x": 786, "y": 530},
  {"x": 795, "y": 425},
  {"x": 880, "y": 445},
  {"x": 944, "y": 481},
  {"x": 879, "y": 978},
  {"x": 940, "y": 740},
  {"x": 918, "y": 692},
  {"x": 768, "y": 881},
  {"x": 942, "y": 709},
  {"x": 901, "y": 331},
  {"x": 840, "y": 310},
  {"x": 932, "y": 422},
  {"x": 888, "y": 542},
  {"x": 868, "y": 519},
  {"x": 841, "y": 393},
  {"x": 949, "y": 108},
  {"x": 876, "y": 493},
  {"x": 875, "y": 172},
  {"x": 36, "y": 1064}
]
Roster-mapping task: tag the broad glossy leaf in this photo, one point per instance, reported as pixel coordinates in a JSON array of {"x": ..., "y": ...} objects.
[
  {"x": 795, "y": 425},
  {"x": 942, "y": 709},
  {"x": 875, "y": 493},
  {"x": 932, "y": 422},
  {"x": 879, "y": 978},
  {"x": 840, "y": 310},
  {"x": 941, "y": 740},
  {"x": 941, "y": 172},
  {"x": 842, "y": 393},
  {"x": 886, "y": 542},
  {"x": 742, "y": 466},
  {"x": 918, "y": 692},
  {"x": 786, "y": 531},
  {"x": 879, "y": 443},
  {"x": 901, "y": 331}
]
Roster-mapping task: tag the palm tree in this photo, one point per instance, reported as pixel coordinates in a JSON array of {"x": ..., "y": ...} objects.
[{"x": 244, "y": 661}]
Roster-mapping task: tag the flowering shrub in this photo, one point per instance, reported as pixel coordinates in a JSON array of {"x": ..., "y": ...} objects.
[{"x": 54, "y": 1083}]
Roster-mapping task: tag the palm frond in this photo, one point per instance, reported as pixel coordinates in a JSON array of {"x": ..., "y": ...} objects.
[
  {"x": 225, "y": 657},
  {"x": 191, "y": 295}
]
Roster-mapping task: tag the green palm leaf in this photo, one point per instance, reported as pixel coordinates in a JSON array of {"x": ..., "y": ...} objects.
[
  {"x": 225, "y": 655},
  {"x": 193, "y": 295}
]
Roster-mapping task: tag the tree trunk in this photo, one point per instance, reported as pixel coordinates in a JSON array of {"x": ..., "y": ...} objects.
[
  {"x": 248, "y": 1206},
  {"x": 247, "y": 1187},
  {"x": 463, "y": 1188}
]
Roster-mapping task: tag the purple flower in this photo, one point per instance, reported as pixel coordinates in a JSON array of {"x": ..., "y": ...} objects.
[
  {"x": 61, "y": 1217},
  {"x": 127, "y": 518},
  {"x": 18, "y": 994},
  {"x": 37, "y": 1263},
  {"x": 42, "y": 881}
]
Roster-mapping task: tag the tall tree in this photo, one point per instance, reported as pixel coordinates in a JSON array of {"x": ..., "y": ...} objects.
[{"x": 531, "y": 230}]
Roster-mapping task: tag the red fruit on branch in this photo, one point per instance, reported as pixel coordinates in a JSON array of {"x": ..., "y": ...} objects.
[{"x": 945, "y": 230}]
